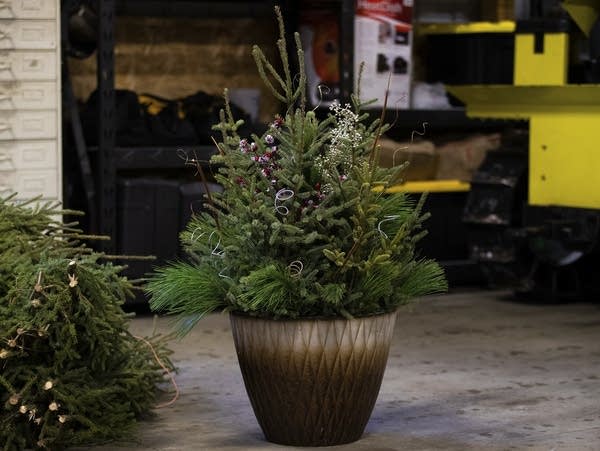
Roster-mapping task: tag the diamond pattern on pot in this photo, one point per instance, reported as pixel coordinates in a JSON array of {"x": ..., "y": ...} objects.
[{"x": 313, "y": 381}]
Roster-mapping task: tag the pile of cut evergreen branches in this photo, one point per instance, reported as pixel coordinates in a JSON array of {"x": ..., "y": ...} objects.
[{"x": 70, "y": 371}]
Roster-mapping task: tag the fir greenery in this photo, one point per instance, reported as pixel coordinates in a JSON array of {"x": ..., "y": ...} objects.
[
  {"x": 70, "y": 372},
  {"x": 305, "y": 226}
]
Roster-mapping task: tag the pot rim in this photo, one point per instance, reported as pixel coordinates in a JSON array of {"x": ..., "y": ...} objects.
[{"x": 245, "y": 315}]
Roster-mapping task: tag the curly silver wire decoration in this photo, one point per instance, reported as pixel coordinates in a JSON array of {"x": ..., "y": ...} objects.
[
  {"x": 223, "y": 275},
  {"x": 281, "y": 196},
  {"x": 396, "y": 152},
  {"x": 214, "y": 251},
  {"x": 183, "y": 155},
  {"x": 194, "y": 233},
  {"x": 210, "y": 238},
  {"x": 386, "y": 219},
  {"x": 416, "y": 132},
  {"x": 187, "y": 161},
  {"x": 412, "y": 140},
  {"x": 322, "y": 90},
  {"x": 295, "y": 268},
  {"x": 296, "y": 80}
]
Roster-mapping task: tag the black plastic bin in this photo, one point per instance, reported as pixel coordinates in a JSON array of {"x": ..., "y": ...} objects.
[
  {"x": 193, "y": 199},
  {"x": 470, "y": 58},
  {"x": 148, "y": 221}
]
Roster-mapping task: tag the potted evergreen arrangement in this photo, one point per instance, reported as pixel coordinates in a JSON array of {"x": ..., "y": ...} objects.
[{"x": 309, "y": 254}]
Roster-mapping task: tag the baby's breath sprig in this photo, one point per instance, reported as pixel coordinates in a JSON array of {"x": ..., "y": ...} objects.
[{"x": 345, "y": 139}]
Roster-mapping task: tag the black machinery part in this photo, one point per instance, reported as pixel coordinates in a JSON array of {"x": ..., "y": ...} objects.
[{"x": 548, "y": 254}]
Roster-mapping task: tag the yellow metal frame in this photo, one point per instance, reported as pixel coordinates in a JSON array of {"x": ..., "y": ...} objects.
[
  {"x": 564, "y": 124},
  {"x": 584, "y": 12},
  {"x": 504, "y": 26},
  {"x": 548, "y": 68},
  {"x": 564, "y": 120},
  {"x": 431, "y": 186}
]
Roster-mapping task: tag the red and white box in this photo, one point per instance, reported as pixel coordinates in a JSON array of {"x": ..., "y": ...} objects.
[{"x": 383, "y": 37}]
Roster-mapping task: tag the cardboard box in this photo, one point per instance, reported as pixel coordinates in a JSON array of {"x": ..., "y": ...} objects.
[
  {"x": 458, "y": 160},
  {"x": 420, "y": 155},
  {"x": 383, "y": 42}
]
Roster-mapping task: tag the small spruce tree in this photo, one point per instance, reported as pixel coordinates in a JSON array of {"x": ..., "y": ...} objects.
[
  {"x": 70, "y": 372},
  {"x": 305, "y": 226}
]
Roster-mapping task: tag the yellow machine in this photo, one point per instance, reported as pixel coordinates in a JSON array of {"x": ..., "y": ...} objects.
[
  {"x": 564, "y": 120},
  {"x": 560, "y": 244}
]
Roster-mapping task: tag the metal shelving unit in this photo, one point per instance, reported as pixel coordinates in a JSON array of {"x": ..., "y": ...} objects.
[
  {"x": 191, "y": 8},
  {"x": 105, "y": 170},
  {"x": 140, "y": 158},
  {"x": 109, "y": 159}
]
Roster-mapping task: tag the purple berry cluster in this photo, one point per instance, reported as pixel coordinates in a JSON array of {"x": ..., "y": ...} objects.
[
  {"x": 315, "y": 200},
  {"x": 266, "y": 154}
]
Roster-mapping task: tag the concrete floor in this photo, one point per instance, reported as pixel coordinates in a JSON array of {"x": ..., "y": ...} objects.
[{"x": 467, "y": 371}]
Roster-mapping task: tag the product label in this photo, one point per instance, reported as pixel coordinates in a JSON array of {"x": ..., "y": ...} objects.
[
  {"x": 398, "y": 10},
  {"x": 383, "y": 42}
]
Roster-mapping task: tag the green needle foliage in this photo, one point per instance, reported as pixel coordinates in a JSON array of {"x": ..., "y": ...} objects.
[
  {"x": 70, "y": 372},
  {"x": 305, "y": 226}
]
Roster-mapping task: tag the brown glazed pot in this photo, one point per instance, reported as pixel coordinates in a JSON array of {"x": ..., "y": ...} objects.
[{"x": 313, "y": 382}]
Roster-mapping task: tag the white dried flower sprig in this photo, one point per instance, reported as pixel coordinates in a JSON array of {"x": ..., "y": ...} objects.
[
  {"x": 345, "y": 139},
  {"x": 345, "y": 132}
]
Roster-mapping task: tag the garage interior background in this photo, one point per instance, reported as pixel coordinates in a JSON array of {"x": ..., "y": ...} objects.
[{"x": 142, "y": 84}]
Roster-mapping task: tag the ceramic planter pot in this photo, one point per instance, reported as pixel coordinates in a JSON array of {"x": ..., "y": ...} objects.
[{"x": 313, "y": 382}]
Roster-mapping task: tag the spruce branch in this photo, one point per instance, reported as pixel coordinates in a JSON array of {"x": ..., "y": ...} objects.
[
  {"x": 283, "y": 53},
  {"x": 261, "y": 63},
  {"x": 381, "y": 121},
  {"x": 301, "y": 89}
]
